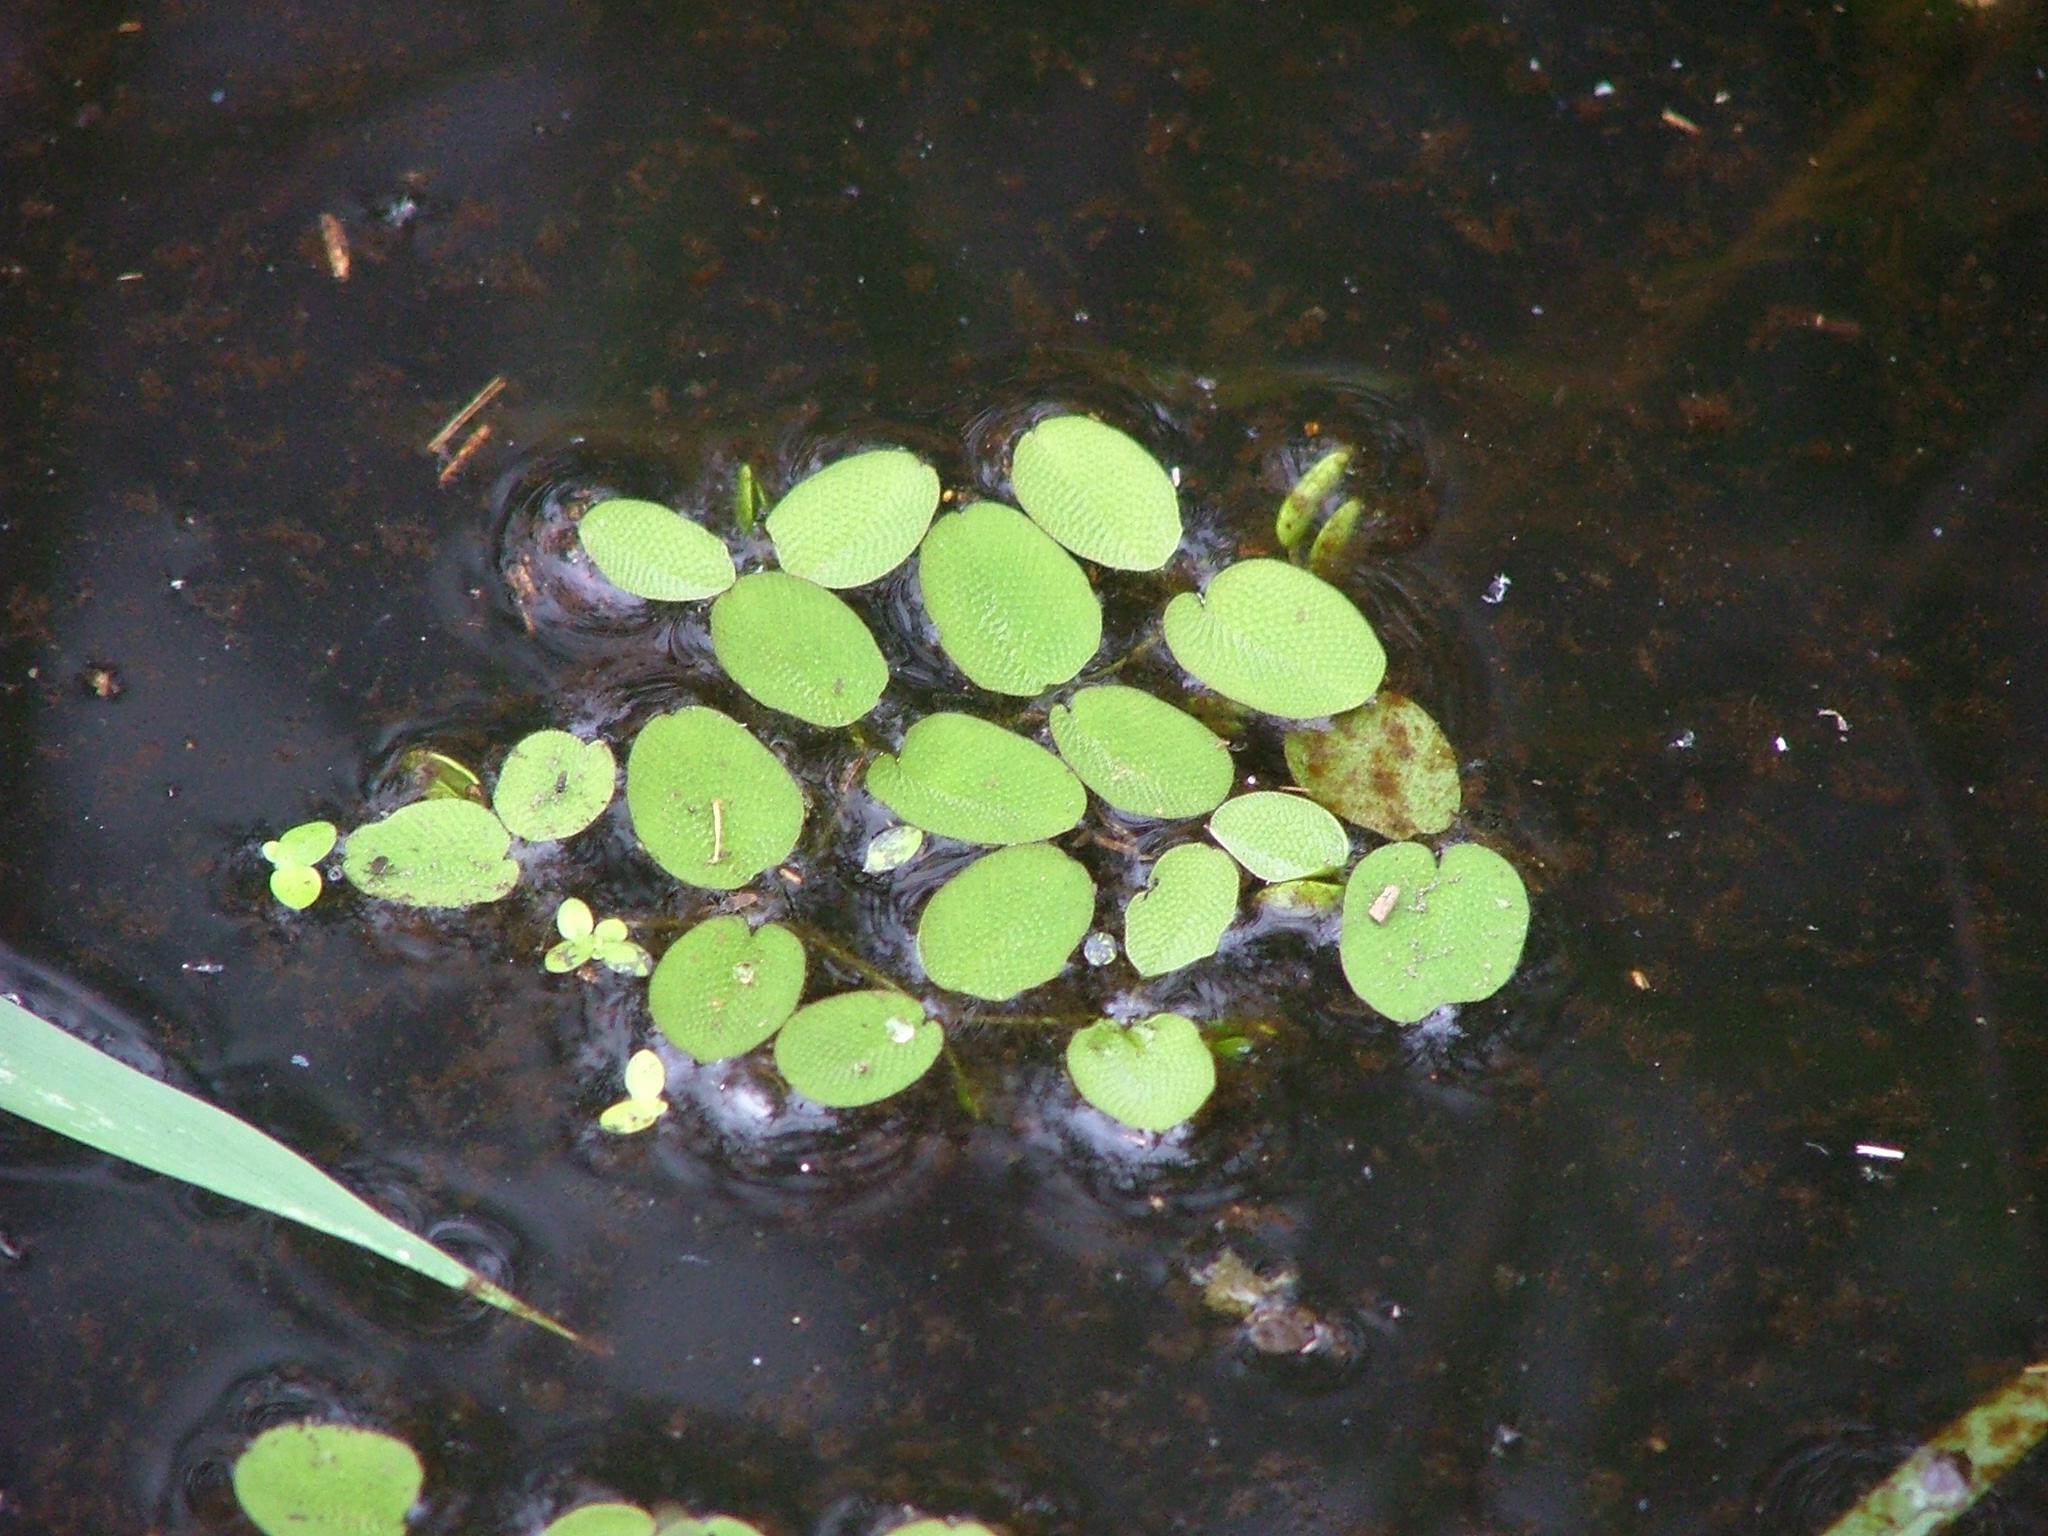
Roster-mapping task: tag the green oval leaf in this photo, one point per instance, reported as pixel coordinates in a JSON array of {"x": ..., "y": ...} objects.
[
  {"x": 432, "y": 853},
  {"x": 798, "y": 648},
  {"x": 1151, "y": 1075},
  {"x": 932, "y": 1527},
  {"x": 1276, "y": 639},
  {"x": 1182, "y": 913},
  {"x": 855, "y": 520},
  {"x": 678, "y": 1524},
  {"x": 1006, "y": 923},
  {"x": 301, "y": 846},
  {"x": 1298, "y": 511},
  {"x": 1140, "y": 754},
  {"x": 709, "y": 803},
  {"x": 1384, "y": 766},
  {"x": 723, "y": 988},
  {"x": 327, "y": 1480},
  {"x": 892, "y": 848},
  {"x": 297, "y": 886},
  {"x": 553, "y": 786},
  {"x": 1098, "y": 492},
  {"x": 1280, "y": 837},
  {"x": 614, "y": 1517},
  {"x": 648, "y": 550},
  {"x": 1013, "y": 610},
  {"x": 857, "y": 1048},
  {"x": 1417, "y": 934},
  {"x": 957, "y": 776}
]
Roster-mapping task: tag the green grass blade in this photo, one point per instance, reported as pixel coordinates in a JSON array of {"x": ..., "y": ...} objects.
[{"x": 66, "y": 1086}]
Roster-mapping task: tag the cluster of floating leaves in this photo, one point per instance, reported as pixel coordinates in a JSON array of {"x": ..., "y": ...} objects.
[
  {"x": 1016, "y": 612},
  {"x": 310, "y": 1478}
]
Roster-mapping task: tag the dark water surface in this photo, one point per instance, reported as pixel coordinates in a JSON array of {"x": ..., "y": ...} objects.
[{"x": 1701, "y": 366}]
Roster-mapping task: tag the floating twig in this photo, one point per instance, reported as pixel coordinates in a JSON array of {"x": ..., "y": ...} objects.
[
  {"x": 465, "y": 453},
  {"x": 335, "y": 238},
  {"x": 461, "y": 418}
]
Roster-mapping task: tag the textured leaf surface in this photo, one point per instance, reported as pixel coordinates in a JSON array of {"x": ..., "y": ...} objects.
[
  {"x": 1013, "y": 610},
  {"x": 648, "y": 550},
  {"x": 710, "y": 804},
  {"x": 1276, "y": 639},
  {"x": 1151, "y": 1075},
  {"x": 723, "y": 987},
  {"x": 1098, "y": 492},
  {"x": 327, "y": 1480},
  {"x": 709, "y": 1525},
  {"x": 1452, "y": 933},
  {"x": 1182, "y": 913},
  {"x": 553, "y": 785},
  {"x": 1006, "y": 923},
  {"x": 1280, "y": 837},
  {"x": 857, "y": 1048},
  {"x": 1384, "y": 766},
  {"x": 611, "y": 1518},
  {"x": 64, "y": 1085},
  {"x": 855, "y": 520},
  {"x": 942, "y": 1528},
  {"x": 958, "y": 776},
  {"x": 432, "y": 853},
  {"x": 1140, "y": 754},
  {"x": 798, "y": 648}
]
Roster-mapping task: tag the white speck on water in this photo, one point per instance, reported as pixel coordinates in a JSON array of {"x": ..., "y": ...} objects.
[
  {"x": 1778, "y": 744},
  {"x": 299, "y": 1060},
  {"x": 1603, "y": 88},
  {"x": 1497, "y": 589},
  {"x": 1684, "y": 741}
]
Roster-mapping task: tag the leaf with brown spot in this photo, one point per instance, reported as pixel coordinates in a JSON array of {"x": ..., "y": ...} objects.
[{"x": 1384, "y": 766}]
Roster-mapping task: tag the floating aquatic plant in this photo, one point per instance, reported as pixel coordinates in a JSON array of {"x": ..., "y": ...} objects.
[
  {"x": 724, "y": 987},
  {"x": 311, "y": 1479},
  {"x": 1152, "y": 1074},
  {"x": 295, "y": 856},
  {"x": 714, "y": 806},
  {"x": 646, "y": 1080},
  {"x": 1276, "y": 639},
  {"x": 1419, "y": 933},
  {"x": 553, "y": 786},
  {"x": 1006, "y": 923},
  {"x": 961, "y": 777},
  {"x": 1384, "y": 766},
  {"x": 585, "y": 939},
  {"x": 611, "y": 1517},
  {"x": 648, "y": 550},
  {"x": 1181, "y": 915}
]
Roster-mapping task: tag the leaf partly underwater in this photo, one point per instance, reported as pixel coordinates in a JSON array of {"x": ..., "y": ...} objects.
[
  {"x": 64, "y": 1085},
  {"x": 315, "y": 1479}
]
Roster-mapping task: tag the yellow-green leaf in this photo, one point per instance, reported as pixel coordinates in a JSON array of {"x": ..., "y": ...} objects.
[
  {"x": 798, "y": 648},
  {"x": 1280, "y": 837},
  {"x": 432, "y": 853},
  {"x": 648, "y": 550},
  {"x": 1276, "y": 639},
  {"x": 1418, "y": 934},
  {"x": 959, "y": 776},
  {"x": 1140, "y": 754},
  {"x": 1182, "y": 913},
  {"x": 723, "y": 987},
  {"x": 857, "y": 1048},
  {"x": 1098, "y": 492},
  {"x": 1151, "y": 1075},
  {"x": 1013, "y": 610},
  {"x": 1006, "y": 923},
  {"x": 709, "y": 803},
  {"x": 855, "y": 520}
]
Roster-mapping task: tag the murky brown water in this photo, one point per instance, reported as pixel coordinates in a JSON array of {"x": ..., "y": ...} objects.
[{"x": 1701, "y": 363}]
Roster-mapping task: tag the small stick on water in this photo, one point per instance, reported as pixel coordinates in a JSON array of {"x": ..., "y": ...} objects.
[
  {"x": 717, "y": 831},
  {"x": 1383, "y": 904},
  {"x": 335, "y": 238},
  {"x": 461, "y": 418},
  {"x": 464, "y": 454}
]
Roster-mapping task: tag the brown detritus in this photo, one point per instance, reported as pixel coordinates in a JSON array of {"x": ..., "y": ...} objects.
[
  {"x": 464, "y": 454},
  {"x": 463, "y": 417},
  {"x": 335, "y": 241}
]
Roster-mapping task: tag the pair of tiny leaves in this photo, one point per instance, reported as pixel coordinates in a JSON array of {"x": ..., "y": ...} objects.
[
  {"x": 452, "y": 852},
  {"x": 295, "y": 856},
  {"x": 644, "y": 1103}
]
